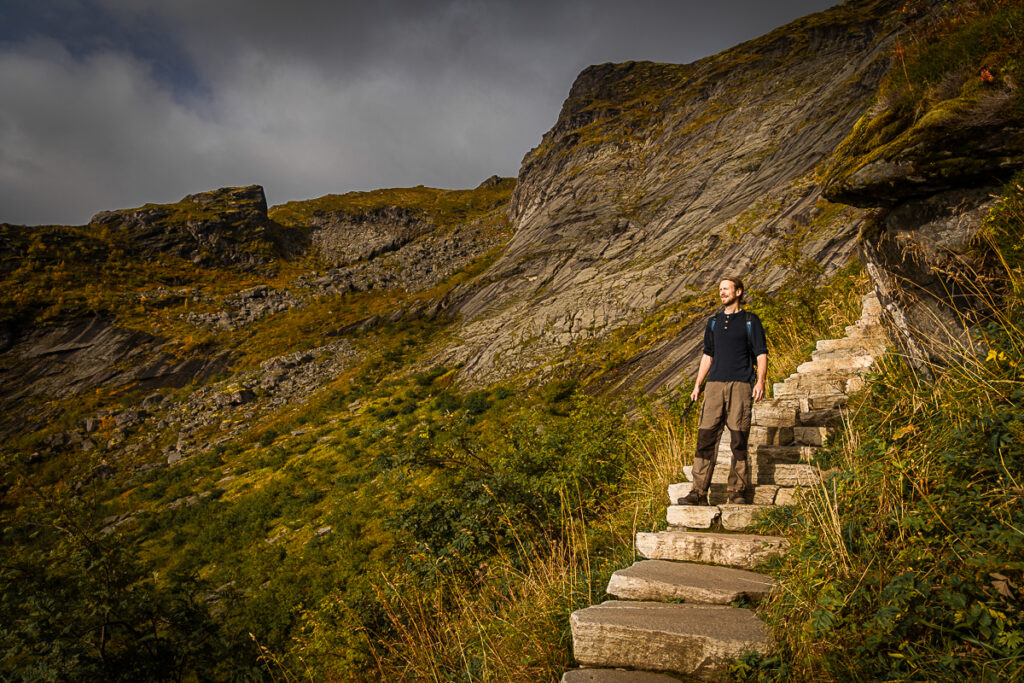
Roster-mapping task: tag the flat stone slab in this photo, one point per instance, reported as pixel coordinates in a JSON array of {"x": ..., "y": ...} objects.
[
  {"x": 786, "y": 496},
  {"x": 615, "y": 676},
  {"x": 791, "y": 475},
  {"x": 774, "y": 413},
  {"x": 786, "y": 454},
  {"x": 732, "y": 550},
  {"x": 812, "y": 436},
  {"x": 819, "y": 418},
  {"x": 736, "y": 517},
  {"x": 693, "y": 640},
  {"x": 774, "y": 436},
  {"x": 692, "y": 516},
  {"x": 849, "y": 347},
  {"x": 660, "y": 580},
  {"x": 823, "y": 401},
  {"x": 837, "y": 364},
  {"x": 719, "y": 493},
  {"x": 809, "y": 384}
]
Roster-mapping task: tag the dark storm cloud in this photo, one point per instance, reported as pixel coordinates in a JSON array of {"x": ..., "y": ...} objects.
[{"x": 112, "y": 103}]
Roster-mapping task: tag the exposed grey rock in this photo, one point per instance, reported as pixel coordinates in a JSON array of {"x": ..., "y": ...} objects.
[
  {"x": 737, "y": 517},
  {"x": 246, "y": 307},
  {"x": 63, "y": 360},
  {"x": 925, "y": 279},
  {"x": 695, "y": 640},
  {"x": 661, "y": 580},
  {"x": 343, "y": 239},
  {"x": 692, "y": 516},
  {"x": 423, "y": 261},
  {"x": 228, "y": 226},
  {"x": 619, "y": 213},
  {"x": 733, "y": 550}
]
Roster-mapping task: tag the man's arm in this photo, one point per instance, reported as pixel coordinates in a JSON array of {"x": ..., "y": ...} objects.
[
  {"x": 762, "y": 371},
  {"x": 702, "y": 373}
]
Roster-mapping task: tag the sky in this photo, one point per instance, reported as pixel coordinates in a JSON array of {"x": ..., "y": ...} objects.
[{"x": 108, "y": 104}]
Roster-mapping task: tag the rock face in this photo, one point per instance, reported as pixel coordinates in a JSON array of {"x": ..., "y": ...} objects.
[
  {"x": 228, "y": 226},
  {"x": 931, "y": 166},
  {"x": 247, "y": 307},
  {"x": 414, "y": 265},
  {"x": 657, "y": 179},
  {"x": 926, "y": 274},
  {"x": 342, "y": 239},
  {"x": 63, "y": 360}
]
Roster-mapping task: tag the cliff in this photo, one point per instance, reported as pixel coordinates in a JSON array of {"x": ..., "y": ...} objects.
[
  {"x": 657, "y": 179},
  {"x": 256, "y": 412}
]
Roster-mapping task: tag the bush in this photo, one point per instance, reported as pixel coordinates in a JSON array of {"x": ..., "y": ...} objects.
[
  {"x": 476, "y": 402},
  {"x": 909, "y": 564}
]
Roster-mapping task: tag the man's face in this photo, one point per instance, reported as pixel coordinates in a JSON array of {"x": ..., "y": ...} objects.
[{"x": 728, "y": 293}]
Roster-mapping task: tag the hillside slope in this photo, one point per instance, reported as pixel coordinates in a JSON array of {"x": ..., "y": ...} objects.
[
  {"x": 319, "y": 422},
  {"x": 657, "y": 179}
]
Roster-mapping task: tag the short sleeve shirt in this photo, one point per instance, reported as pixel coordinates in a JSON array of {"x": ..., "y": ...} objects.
[{"x": 726, "y": 342}]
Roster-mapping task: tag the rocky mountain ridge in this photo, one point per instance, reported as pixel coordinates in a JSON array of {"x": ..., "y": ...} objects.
[{"x": 656, "y": 179}]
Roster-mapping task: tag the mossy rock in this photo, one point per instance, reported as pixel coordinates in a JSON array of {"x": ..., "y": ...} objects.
[{"x": 889, "y": 158}]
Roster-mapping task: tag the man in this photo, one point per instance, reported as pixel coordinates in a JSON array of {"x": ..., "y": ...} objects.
[{"x": 734, "y": 344}]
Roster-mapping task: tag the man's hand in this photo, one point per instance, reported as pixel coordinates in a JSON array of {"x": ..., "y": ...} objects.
[
  {"x": 758, "y": 392},
  {"x": 695, "y": 394}
]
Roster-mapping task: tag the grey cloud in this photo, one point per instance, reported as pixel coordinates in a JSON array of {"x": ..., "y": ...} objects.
[{"x": 316, "y": 97}]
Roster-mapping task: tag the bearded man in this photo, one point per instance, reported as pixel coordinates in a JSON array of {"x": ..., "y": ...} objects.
[{"x": 735, "y": 363}]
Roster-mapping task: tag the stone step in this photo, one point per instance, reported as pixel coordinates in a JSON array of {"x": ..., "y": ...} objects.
[
  {"x": 811, "y": 384},
  {"x": 837, "y": 365},
  {"x": 866, "y": 330},
  {"x": 661, "y": 580},
  {"x": 862, "y": 347},
  {"x": 790, "y": 475},
  {"x": 732, "y": 550},
  {"x": 739, "y": 517},
  {"x": 786, "y": 495},
  {"x": 848, "y": 344},
  {"x": 793, "y": 453},
  {"x": 812, "y": 436},
  {"x": 730, "y": 516},
  {"x": 819, "y": 418},
  {"x": 775, "y": 414},
  {"x": 719, "y": 494},
  {"x": 692, "y": 516},
  {"x": 762, "y": 471},
  {"x": 616, "y": 676},
  {"x": 693, "y": 640}
]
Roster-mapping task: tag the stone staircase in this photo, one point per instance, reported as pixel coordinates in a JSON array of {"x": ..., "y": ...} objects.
[{"x": 674, "y": 616}]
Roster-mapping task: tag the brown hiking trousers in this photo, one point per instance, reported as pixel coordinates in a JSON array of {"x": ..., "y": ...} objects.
[{"x": 728, "y": 404}]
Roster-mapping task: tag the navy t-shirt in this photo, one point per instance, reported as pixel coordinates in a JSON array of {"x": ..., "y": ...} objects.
[{"x": 727, "y": 344}]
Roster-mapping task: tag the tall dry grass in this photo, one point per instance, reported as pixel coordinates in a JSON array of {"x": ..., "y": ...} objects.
[{"x": 906, "y": 563}]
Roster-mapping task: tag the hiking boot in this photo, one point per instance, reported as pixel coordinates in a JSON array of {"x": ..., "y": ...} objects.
[
  {"x": 737, "y": 498},
  {"x": 694, "y": 498}
]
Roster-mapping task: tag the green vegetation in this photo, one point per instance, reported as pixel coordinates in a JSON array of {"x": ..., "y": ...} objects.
[
  {"x": 389, "y": 526},
  {"x": 908, "y": 563},
  {"x": 446, "y": 208},
  {"x": 957, "y": 69}
]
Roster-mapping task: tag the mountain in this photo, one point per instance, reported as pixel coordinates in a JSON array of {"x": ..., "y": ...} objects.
[{"x": 222, "y": 418}]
